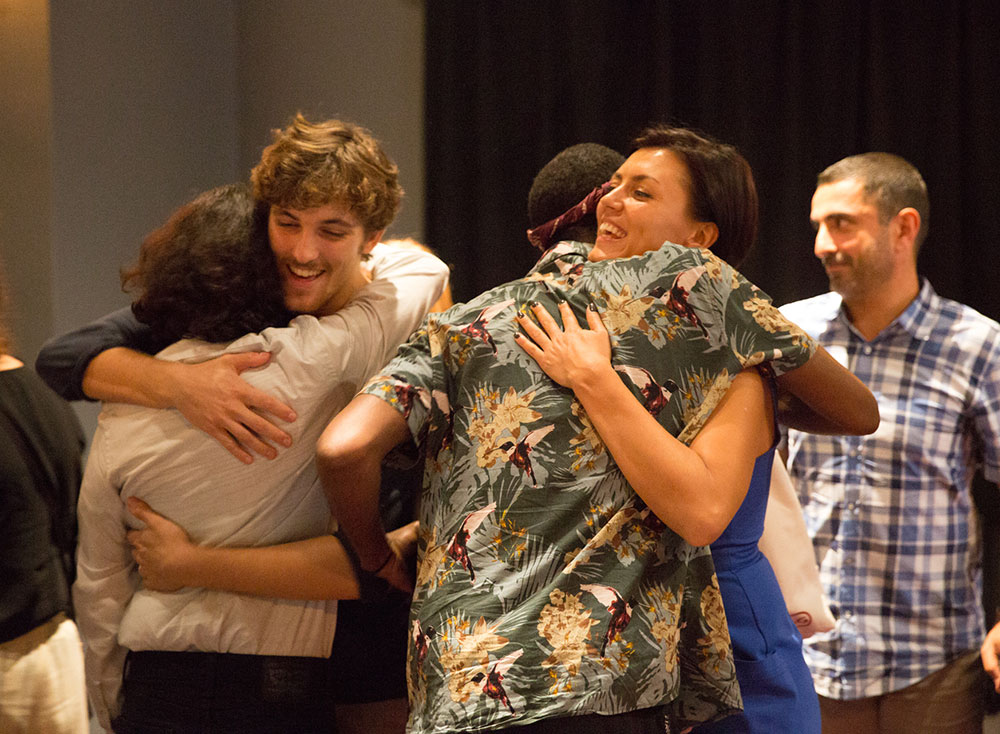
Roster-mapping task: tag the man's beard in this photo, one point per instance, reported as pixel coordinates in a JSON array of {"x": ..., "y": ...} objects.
[{"x": 861, "y": 275}]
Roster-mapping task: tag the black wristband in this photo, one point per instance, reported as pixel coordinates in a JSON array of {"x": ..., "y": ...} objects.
[
  {"x": 383, "y": 564},
  {"x": 371, "y": 587}
]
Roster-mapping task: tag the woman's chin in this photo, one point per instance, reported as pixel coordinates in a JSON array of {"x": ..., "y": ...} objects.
[{"x": 605, "y": 251}]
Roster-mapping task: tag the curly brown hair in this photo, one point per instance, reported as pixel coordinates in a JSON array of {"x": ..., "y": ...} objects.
[
  {"x": 310, "y": 165},
  {"x": 209, "y": 272}
]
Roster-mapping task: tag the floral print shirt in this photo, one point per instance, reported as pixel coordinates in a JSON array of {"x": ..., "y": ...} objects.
[{"x": 545, "y": 587}]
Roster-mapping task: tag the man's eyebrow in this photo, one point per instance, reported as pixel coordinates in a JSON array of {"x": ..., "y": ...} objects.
[
  {"x": 830, "y": 215},
  {"x": 338, "y": 220}
]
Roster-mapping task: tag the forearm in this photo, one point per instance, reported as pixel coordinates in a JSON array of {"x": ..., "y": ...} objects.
[
  {"x": 349, "y": 460},
  {"x": 63, "y": 360},
  {"x": 826, "y": 398},
  {"x": 695, "y": 497},
  {"x": 125, "y": 376},
  {"x": 316, "y": 568}
]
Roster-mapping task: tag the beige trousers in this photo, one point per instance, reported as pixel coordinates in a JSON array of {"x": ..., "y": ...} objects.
[{"x": 42, "y": 689}]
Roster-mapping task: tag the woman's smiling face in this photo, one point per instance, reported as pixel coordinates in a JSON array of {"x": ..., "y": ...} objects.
[{"x": 649, "y": 205}]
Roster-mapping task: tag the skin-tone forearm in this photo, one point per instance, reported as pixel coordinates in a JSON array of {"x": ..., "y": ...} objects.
[
  {"x": 315, "y": 568},
  {"x": 694, "y": 489},
  {"x": 349, "y": 458},
  {"x": 211, "y": 395},
  {"x": 122, "y": 375},
  {"x": 988, "y": 653},
  {"x": 822, "y": 396}
]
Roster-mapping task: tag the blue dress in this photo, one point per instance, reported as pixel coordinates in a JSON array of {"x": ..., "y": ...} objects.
[{"x": 777, "y": 688}]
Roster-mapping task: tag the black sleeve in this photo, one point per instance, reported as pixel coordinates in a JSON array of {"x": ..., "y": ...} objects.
[{"x": 63, "y": 359}]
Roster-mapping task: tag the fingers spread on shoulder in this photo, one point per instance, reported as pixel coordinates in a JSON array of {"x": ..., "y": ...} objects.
[
  {"x": 545, "y": 319},
  {"x": 570, "y": 322},
  {"x": 532, "y": 329},
  {"x": 263, "y": 405},
  {"x": 594, "y": 319}
]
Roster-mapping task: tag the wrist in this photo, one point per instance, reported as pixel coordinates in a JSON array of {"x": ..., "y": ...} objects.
[
  {"x": 370, "y": 587},
  {"x": 200, "y": 566},
  {"x": 592, "y": 379},
  {"x": 374, "y": 567},
  {"x": 164, "y": 383}
]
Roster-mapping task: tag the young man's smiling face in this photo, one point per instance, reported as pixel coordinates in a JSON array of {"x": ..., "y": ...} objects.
[{"x": 319, "y": 253}]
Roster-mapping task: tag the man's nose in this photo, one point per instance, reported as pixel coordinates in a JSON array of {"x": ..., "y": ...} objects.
[
  {"x": 305, "y": 247},
  {"x": 824, "y": 243}
]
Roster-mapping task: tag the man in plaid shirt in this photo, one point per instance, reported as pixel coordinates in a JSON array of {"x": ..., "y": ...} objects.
[{"x": 891, "y": 514}]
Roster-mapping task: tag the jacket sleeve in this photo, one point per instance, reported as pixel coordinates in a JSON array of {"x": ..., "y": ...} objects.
[{"x": 63, "y": 360}]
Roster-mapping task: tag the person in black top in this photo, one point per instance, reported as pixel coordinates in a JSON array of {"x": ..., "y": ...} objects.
[{"x": 41, "y": 659}]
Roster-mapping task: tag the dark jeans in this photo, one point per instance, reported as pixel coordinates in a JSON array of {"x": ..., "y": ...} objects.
[
  {"x": 644, "y": 721},
  {"x": 216, "y": 693}
]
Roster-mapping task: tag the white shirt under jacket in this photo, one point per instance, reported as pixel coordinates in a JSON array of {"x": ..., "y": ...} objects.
[{"x": 317, "y": 366}]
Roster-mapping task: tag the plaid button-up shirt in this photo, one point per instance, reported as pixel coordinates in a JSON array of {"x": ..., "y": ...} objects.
[{"x": 891, "y": 514}]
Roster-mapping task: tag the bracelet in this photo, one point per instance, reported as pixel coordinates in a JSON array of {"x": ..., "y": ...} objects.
[
  {"x": 383, "y": 564},
  {"x": 371, "y": 587}
]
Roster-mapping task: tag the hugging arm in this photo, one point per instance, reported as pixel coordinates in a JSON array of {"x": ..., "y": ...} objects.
[
  {"x": 349, "y": 458},
  {"x": 315, "y": 568},
  {"x": 694, "y": 489},
  {"x": 988, "y": 652},
  {"x": 108, "y": 359},
  {"x": 211, "y": 395},
  {"x": 822, "y": 396},
  {"x": 64, "y": 359}
]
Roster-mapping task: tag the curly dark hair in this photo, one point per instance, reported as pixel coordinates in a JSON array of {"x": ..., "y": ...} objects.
[
  {"x": 568, "y": 178},
  {"x": 209, "y": 272},
  {"x": 722, "y": 188}
]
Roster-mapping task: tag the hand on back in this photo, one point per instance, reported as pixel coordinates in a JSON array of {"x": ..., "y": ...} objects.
[{"x": 217, "y": 400}]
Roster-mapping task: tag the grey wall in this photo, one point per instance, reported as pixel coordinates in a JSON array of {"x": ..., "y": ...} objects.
[
  {"x": 114, "y": 112},
  {"x": 357, "y": 61},
  {"x": 143, "y": 116},
  {"x": 25, "y": 169}
]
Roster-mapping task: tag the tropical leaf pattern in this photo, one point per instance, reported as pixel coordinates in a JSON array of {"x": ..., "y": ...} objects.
[{"x": 535, "y": 552}]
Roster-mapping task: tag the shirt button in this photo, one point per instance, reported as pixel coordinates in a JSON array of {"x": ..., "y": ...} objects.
[
  {"x": 849, "y": 561},
  {"x": 867, "y": 349}
]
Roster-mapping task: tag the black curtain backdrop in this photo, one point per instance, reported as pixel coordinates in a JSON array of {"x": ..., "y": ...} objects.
[{"x": 795, "y": 85}]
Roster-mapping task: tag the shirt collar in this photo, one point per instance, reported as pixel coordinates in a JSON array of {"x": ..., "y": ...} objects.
[
  {"x": 914, "y": 319},
  {"x": 567, "y": 250}
]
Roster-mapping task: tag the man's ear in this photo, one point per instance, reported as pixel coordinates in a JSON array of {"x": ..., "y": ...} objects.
[
  {"x": 905, "y": 226},
  {"x": 373, "y": 239},
  {"x": 704, "y": 235}
]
